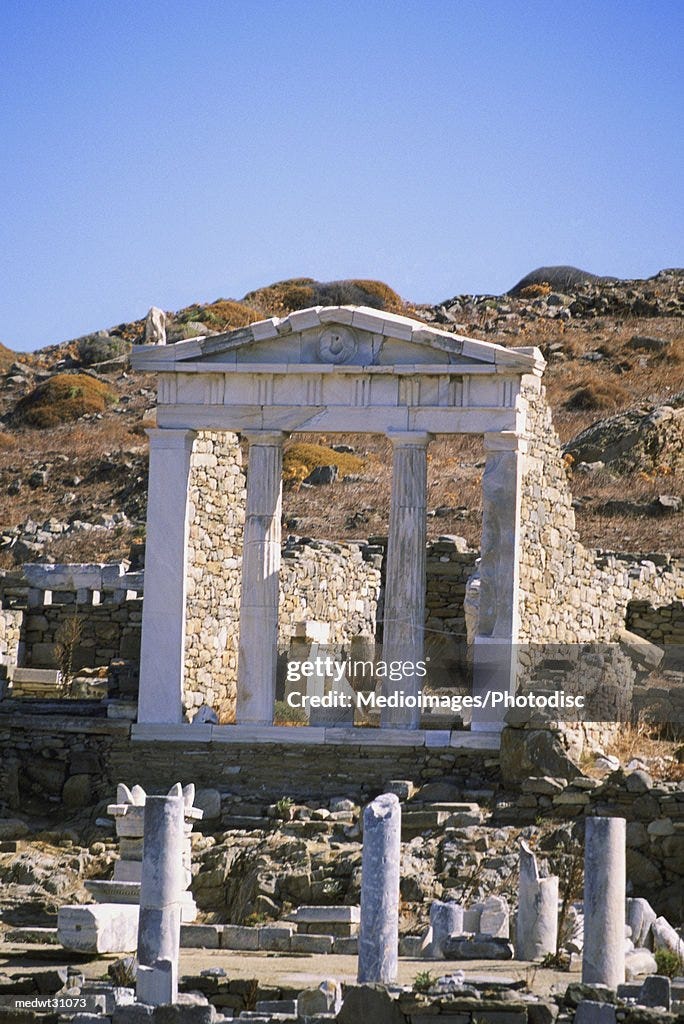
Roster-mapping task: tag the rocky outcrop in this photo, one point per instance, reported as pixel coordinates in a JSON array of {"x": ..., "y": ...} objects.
[{"x": 645, "y": 440}]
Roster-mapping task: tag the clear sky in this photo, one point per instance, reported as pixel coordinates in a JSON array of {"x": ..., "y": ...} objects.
[{"x": 171, "y": 151}]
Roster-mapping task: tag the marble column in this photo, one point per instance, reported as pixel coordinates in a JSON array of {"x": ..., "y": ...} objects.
[
  {"x": 603, "y": 958},
  {"x": 161, "y": 888},
  {"x": 404, "y": 614},
  {"x": 257, "y": 659},
  {"x": 494, "y": 647},
  {"x": 536, "y": 926},
  {"x": 445, "y": 919},
  {"x": 162, "y": 653},
  {"x": 380, "y": 869}
]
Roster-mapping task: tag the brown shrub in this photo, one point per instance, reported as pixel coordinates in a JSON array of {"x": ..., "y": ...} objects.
[
  {"x": 360, "y": 292},
  {"x": 282, "y": 297},
  {"x": 301, "y": 292},
  {"x": 222, "y": 315},
  {"x": 535, "y": 291},
  {"x": 7, "y": 442},
  {"x": 300, "y": 459},
  {"x": 7, "y": 357},
  {"x": 596, "y": 395},
  {"x": 62, "y": 398}
]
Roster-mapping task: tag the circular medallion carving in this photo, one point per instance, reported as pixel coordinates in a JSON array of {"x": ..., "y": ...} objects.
[{"x": 337, "y": 345}]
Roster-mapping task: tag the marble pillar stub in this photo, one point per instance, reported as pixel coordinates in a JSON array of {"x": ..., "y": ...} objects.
[
  {"x": 161, "y": 888},
  {"x": 380, "y": 867},
  {"x": 536, "y": 929},
  {"x": 445, "y": 919},
  {"x": 603, "y": 960}
]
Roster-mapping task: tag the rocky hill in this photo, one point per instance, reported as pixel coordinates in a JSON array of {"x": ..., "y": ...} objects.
[{"x": 73, "y": 448}]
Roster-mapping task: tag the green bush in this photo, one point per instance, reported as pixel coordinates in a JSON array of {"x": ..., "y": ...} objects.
[
  {"x": 669, "y": 963},
  {"x": 423, "y": 981},
  {"x": 98, "y": 348}
]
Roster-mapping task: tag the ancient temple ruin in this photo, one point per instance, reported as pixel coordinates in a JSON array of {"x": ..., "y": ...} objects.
[{"x": 214, "y": 552}]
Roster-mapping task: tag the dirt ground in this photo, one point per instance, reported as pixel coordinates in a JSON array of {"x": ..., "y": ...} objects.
[{"x": 284, "y": 969}]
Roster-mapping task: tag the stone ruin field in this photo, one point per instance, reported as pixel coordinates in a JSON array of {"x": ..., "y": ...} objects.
[{"x": 536, "y": 878}]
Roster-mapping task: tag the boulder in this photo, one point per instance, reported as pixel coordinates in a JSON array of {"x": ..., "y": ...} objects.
[
  {"x": 642, "y": 439},
  {"x": 369, "y": 1003},
  {"x": 322, "y": 475},
  {"x": 535, "y": 752},
  {"x": 155, "y": 327},
  {"x": 12, "y": 828},
  {"x": 77, "y": 791},
  {"x": 327, "y": 998}
]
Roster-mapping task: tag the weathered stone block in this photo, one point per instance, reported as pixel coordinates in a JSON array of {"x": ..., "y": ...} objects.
[{"x": 201, "y": 936}]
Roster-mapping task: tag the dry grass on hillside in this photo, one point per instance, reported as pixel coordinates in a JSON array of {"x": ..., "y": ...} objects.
[
  {"x": 580, "y": 391},
  {"x": 361, "y": 508},
  {"x": 644, "y": 742}
]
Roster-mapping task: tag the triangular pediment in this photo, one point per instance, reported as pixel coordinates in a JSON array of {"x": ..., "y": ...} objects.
[{"x": 342, "y": 336}]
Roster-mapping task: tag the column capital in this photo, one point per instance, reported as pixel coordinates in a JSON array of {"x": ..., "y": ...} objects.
[
  {"x": 266, "y": 437},
  {"x": 504, "y": 441},
  {"x": 409, "y": 438},
  {"x": 168, "y": 437}
]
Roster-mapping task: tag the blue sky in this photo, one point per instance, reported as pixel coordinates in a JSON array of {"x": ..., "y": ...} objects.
[{"x": 170, "y": 152}]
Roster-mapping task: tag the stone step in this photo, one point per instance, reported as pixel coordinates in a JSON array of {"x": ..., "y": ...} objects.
[
  {"x": 413, "y": 822},
  {"x": 313, "y": 915}
]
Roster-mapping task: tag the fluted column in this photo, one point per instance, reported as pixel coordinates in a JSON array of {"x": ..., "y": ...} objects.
[
  {"x": 162, "y": 653},
  {"x": 404, "y": 616},
  {"x": 495, "y": 644},
  {"x": 260, "y": 591}
]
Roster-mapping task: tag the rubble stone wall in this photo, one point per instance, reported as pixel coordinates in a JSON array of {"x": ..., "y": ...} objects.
[
  {"x": 655, "y": 825},
  {"x": 108, "y": 631},
  {"x": 328, "y": 582},
  {"x": 216, "y": 516},
  {"x": 10, "y": 635},
  {"x": 102, "y": 749},
  {"x": 661, "y": 625},
  {"x": 449, "y": 567}
]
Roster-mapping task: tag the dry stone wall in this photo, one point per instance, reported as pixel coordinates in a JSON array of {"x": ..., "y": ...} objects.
[
  {"x": 328, "y": 582},
  {"x": 216, "y": 516},
  {"x": 563, "y": 598},
  {"x": 109, "y": 631},
  {"x": 36, "y": 600},
  {"x": 661, "y": 625},
  {"x": 10, "y": 635}
]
